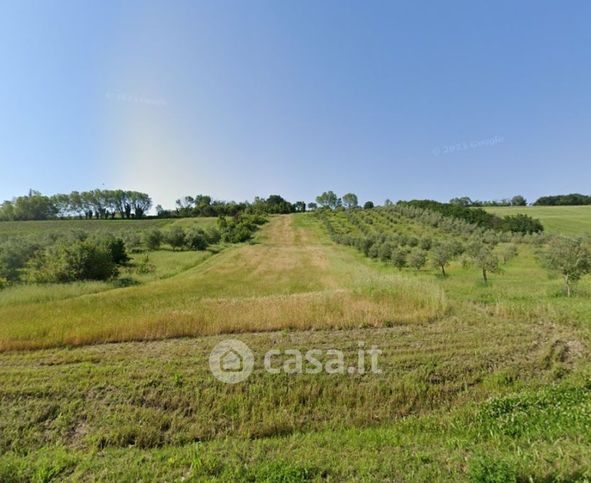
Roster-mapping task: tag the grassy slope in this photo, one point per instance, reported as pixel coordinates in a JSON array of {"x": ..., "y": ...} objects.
[
  {"x": 74, "y": 412},
  {"x": 288, "y": 280},
  {"x": 11, "y": 228},
  {"x": 78, "y": 409},
  {"x": 566, "y": 220},
  {"x": 165, "y": 263}
]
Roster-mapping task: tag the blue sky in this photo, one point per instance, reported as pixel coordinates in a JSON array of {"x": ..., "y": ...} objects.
[{"x": 245, "y": 98}]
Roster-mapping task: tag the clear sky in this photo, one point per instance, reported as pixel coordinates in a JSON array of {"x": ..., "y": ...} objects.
[{"x": 245, "y": 98}]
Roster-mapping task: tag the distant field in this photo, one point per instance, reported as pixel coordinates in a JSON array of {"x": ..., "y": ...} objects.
[{"x": 566, "y": 220}]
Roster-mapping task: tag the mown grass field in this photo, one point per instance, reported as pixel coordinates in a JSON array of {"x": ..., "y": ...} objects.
[
  {"x": 100, "y": 382},
  {"x": 566, "y": 220}
]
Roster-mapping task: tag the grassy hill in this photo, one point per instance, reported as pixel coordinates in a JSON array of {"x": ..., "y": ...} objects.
[
  {"x": 107, "y": 382},
  {"x": 566, "y": 220},
  {"x": 291, "y": 278}
]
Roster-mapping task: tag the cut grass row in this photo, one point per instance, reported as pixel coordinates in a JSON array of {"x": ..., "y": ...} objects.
[{"x": 79, "y": 408}]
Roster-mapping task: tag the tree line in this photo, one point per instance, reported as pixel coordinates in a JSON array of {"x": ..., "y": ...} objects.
[
  {"x": 466, "y": 201},
  {"x": 332, "y": 201},
  {"x": 123, "y": 204},
  {"x": 98, "y": 204},
  {"x": 205, "y": 205},
  {"x": 126, "y": 204},
  {"x": 573, "y": 199}
]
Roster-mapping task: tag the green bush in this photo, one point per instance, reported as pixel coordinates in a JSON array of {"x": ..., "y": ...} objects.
[
  {"x": 116, "y": 247},
  {"x": 14, "y": 256},
  {"x": 196, "y": 239},
  {"x": 153, "y": 239},
  {"x": 213, "y": 235},
  {"x": 176, "y": 237},
  {"x": 522, "y": 224},
  {"x": 69, "y": 262},
  {"x": 237, "y": 233}
]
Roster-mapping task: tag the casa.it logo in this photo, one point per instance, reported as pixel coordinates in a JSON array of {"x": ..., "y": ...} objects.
[{"x": 231, "y": 361}]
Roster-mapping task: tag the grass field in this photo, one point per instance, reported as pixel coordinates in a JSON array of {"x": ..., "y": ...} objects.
[
  {"x": 12, "y": 228},
  {"x": 102, "y": 382},
  {"x": 287, "y": 280},
  {"x": 566, "y": 220}
]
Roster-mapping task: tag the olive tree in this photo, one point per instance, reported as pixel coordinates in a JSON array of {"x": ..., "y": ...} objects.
[
  {"x": 398, "y": 258},
  {"x": 571, "y": 258},
  {"x": 417, "y": 258},
  {"x": 442, "y": 254},
  {"x": 487, "y": 261}
]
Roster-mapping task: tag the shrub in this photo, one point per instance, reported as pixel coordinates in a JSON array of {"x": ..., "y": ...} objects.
[
  {"x": 116, "y": 247},
  {"x": 213, "y": 235},
  {"x": 196, "y": 239},
  {"x": 241, "y": 234},
  {"x": 237, "y": 232},
  {"x": 176, "y": 237},
  {"x": 522, "y": 224},
  {"x": 14, "y": 256},
  {"x": 153, "y": 239},
  {"x": 69, "y": 262}
]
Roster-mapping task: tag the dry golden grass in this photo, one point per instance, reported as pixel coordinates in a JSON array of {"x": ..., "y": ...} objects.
[{"x": 158, "y": 393}]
